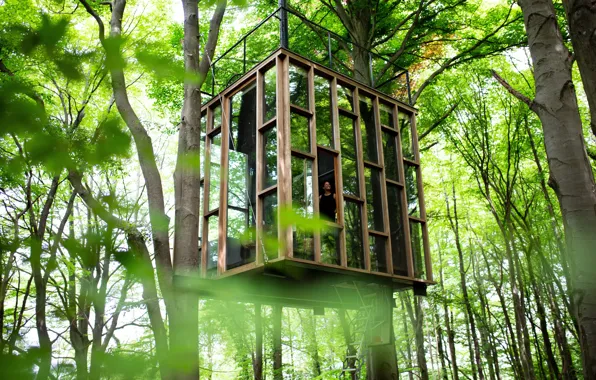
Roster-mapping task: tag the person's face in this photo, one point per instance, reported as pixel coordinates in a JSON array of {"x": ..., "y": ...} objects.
[{"x": 326, "y": 186}]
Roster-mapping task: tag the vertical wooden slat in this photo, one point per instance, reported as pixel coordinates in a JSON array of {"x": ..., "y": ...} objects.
[
  {"x": 223, "y": 184},
  {"x": 313, "y": 150},
  {"x": 404, "y": 209},
  {"x": 284, "y": 190},
  {"x": 339, "y": 190},
  {"x": 361, "y": 184},
  {"x": 259, "y": 160},
  {"x": 206, "y": 184}
]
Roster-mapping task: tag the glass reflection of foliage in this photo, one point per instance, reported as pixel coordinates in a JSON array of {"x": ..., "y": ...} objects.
[
  {"x": 353, "y": 227},
  {"x": 390, "y": 156},
  {"x": 368, "y": 129},
  {"x": 417, "y": 249},
  {"x": 386, "y": 114},
  {"x": 378, "y": 258},
  {"x": 203, "y": 127},
  {"x": 299, "y": 132},
  {"x": 242, "y": 169},
  {"x": 323, "y": 112},
  {"x": 348, "y": 155},
  {"x": 405, "y": 130},
  {"x": 216, "y": 116},
  {"x": 270, "y": 225},
  {"x": 302, "y": 201},
  {"x": 270, "y": 157},
  {"x": 374, "y": 203},
  {"x": 212, "y": 244},
  {"x": 412, "y": 190},
  {"x": 269, "y": 103},
  {"x": 344, "y": 98},
  {"x": 214, "y": 172},
  {"x": 330, "y": 250},
  {"x": 298, "y": 86},
  {"x": 397, "y": 233}
]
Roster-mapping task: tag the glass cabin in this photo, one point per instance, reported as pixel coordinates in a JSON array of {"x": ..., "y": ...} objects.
[{"x": 272, "y": 140}]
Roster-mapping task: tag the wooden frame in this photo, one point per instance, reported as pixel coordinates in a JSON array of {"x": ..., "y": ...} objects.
[{"x": 280, "y": 62}]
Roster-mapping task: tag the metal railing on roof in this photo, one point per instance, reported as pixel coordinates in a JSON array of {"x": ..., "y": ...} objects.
[{"x": 311, "y": 41}]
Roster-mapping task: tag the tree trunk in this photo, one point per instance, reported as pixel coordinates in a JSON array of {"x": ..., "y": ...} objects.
[
  {"x": 277, "y": 359},
  {"x": 383, "y": 358},
  {"x": 571, "y": 175},
  {"x": 257, "y": 364}
]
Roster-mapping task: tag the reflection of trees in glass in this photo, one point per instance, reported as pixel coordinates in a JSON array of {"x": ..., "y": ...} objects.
[
  {"x": 396, "y": 233},
  {"x": 270, "y": 225},
  {"x": 299, "y": 132},
  {"x": 390, "y": 156},
  {"x": 348, "y": 155},
  {"x": 323, "y": 111},
  {"x": 214, "y": 172},
  {"x": 302, "y": 201},
  {"x": 353, "y": 227},
  {"x": 212, "y": 244},
  {"x": 330, "y": 246},
  {"x": 386, "y": 113},
  {"x": 298, "y": 86},
  {"x": 242, "y": 179},
  {"x": 269, "y": 94},
  {"x": 344, "y": 98},
  {"x": 374, "y": 207},
  {"x": 417, "y": 249},
  {"x": 412, "y": 190},
  {"x": 216, "y": 116},
  {"x": 378, "y": 258},
  {"x": 368, "y": 129},
  {"x": 270, "y": 157},
  {"x": 405, "y": 131}
]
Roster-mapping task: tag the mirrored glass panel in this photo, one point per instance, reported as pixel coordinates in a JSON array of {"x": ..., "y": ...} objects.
[
  {"x": 417, "y": 249},
  {"x": 298, "y": 86},
  {"x": 299, "y": 131},
  {"x": 411, "y": 173},
  {"x": 327, "y": 184},
  {"x": 368, "y": 129},
  {"x": 216, "y": 115},
  {"x": 397, "y": 234},
  {"x": 405, "y": 130},
  {"x": 302, "y": 201},
  {"x": 349, "y": 164},
  {"x": 269, "y": 103},
  {"x": 269, "y": 157},
  {"x": 390, "y": 156},
  {"x": 374, "y": 199},
  {"x": 345, "y": 98},
  {"x": 330, "y": 249},
  {"x": 378, "y": 257},
  {"x": 354, "y": 241},
  {"x": 212, "y": 244},
  {"x": 214, "y": 172},
  {"x": 386, "y": 114},
  {"x": 270, "y": 243},
  {"x": 240, "y": 243},
  {"x": 323, "y": 112}
]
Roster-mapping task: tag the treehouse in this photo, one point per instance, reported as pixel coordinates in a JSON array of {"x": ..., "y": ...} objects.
[{"x": 273, "y": 141}]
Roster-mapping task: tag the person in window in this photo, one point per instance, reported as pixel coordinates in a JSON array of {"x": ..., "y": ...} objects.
[{"x": 327, "y": 204}]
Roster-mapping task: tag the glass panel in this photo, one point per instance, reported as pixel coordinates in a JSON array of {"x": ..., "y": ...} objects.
[
  {"x": 330, "y": 252},
  {"x": 269, "y": 157},
  {"x": 299, "y": 131},
  {"x": 240, "y": 244},
  {"x": 354, "y": 244},
  {"x": 216, "y": 114},
  {"x": 406, "y": 135},
  {"x": 417, "y": 249},
  {"x": 386, "y": 113},
  {"x": 396, "y": 233},
  {"x": 327, "y": 199},
  {"x": 299, "y": 86},
  {"x": 344, "y": 98},
  {"x": 323, "y": 111},
  {"x": 378, "y": 257},
  {"x": 202, "y": 147},
  {"x": 270, "y": 243},
  {"x": 390, "y": 156},
  {"x": 348, "y": 156},
  {"x": 374, "y": 205},
  {"x": 212, "y": 245},
  {"x": 412, "y": 190},
  {"x": 368, "y": 129},
  {"x": 302, "y": 200},
  {"x": 214, "y": 172},
  {"x": 269, "y": 102}
]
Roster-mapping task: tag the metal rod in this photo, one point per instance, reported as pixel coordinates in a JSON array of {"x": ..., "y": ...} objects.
[
  {"x": 244, "y": 57},
  {"x": 329, "y": 50},
  {"x": 213, "y": 81},
  {"x": 370, "y": 69},
  {"x": 283, "y": 24},
  {"x": 408, "y": 86}
]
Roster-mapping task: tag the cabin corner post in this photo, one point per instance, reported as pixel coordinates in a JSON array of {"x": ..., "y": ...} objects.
[{"x": 284, "y": 189}]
